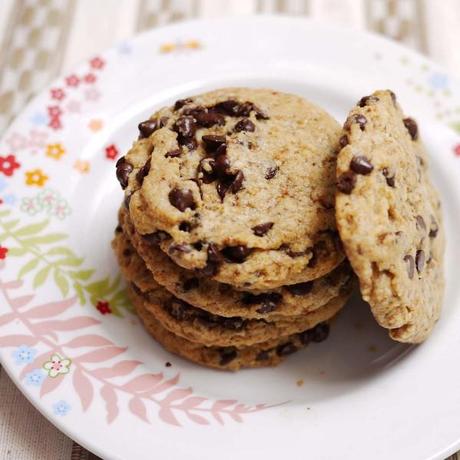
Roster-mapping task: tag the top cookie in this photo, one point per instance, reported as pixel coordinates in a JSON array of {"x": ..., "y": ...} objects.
[
  {"x": 389, "y": 217},
  {"x": 239, "y": 184}
]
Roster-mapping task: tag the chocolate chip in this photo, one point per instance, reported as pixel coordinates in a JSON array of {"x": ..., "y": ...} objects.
[
  {"x": 361, "y": 120},
  {"x": 127, "y": 252},
  {"x": 180, "y": 247},
  {"x": 221, "y": 164},
  {"x": 263, "y": 355},
  {"x": 270, "y": 173},
  {"x": 123, "y": 170},
  {"x": 320, "y": 332},
  {"x": 227, "y": 355},
  {"x": 236, "y": 254},
  {"x": 229, "y": 107},
  {"x": 346, "y": 182},
  {"x": 367, "y": 99},
  {"x": 190, "y": 283},
  {"x": 260, "y": 115},
  {"x": 233, "y": 183},
  {"x": 420, "y": 223},
  {"x": 148, "y": 127},
  {"x": 237, "y": 183},
  {"x": 389, "y": 176},
  {"x": 412, "y": 127},
  {"x": 209, "y": 118},
  {"x": 245, "y": 125},
  {"x": 181, "y": 102},
  {"x": 393, "y": 96},
  {"x": 168, "y": 364},
  {"x": 434, "y": 228},
  {"x": 198, "y": 245},
  {"x": 127, "y": 200},
  {"x": 360, "y": 164},
  {"x": 343, "y": 141},
  {"x": 316, "y": 252},
  {"x": 118, "y": 229},
  {"x": 305, "y": 337},
  {"x": 156, "y": 237},
  {"x": 185, "y": 226},
  {"x": 178, "y": 309},
  {"x": 235, "y": 323},
  {"x": 327, "y": 201},
  {"x": 190, "y": 142},
  {"x": 268, "y": 301},
  {"x": 143, "y": 172},
  {"x": 286, "y": 349},
  {"x": 213, "y": 262},
  {"x": 181, "y": 199},
  {"x": 420, "y": 260},
  {"x": 213, "y": 141},
  {"x": 173, "y": 153},
  {"x": 185, "y": 126},
  {"x": 300, "y": 288},
  {"x": 262, "y": 229},
  {"x": 410, "y": 265}
]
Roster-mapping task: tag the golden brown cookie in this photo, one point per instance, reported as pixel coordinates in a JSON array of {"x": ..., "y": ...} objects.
[
  {"x": 269, "y": 353},
  {"x": 389, "y": 217},
  {"x": 239, "y": 184}
]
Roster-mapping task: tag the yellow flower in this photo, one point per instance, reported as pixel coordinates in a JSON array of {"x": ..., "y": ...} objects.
[
  {"x": 55, "y": 151},
  {"x": 167, "y": 47},
  {"x": 82, "y": 166},
  {"x": 36, "y": 177},
  {"x": 193, "y": 44},
  {"x": 95, "y": 125}
]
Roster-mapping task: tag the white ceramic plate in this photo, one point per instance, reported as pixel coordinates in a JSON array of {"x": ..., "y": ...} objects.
[{"x": 68, "y": 337}]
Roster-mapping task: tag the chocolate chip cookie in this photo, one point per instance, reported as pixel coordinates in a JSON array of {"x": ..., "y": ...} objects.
[
  {"x": 269, "y": 353},
  {"x": 238, "y": 185},
  {"x": 218, "y": 298},
  {"x": 389, "y": 217}
]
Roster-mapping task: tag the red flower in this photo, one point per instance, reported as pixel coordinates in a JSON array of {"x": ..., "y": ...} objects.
[
  {"x": 104, "y": 307},
  {"x": 72, "y": 80},
  {"x": 457, "y": 150},
  {"x": 89, "y": 78},
  {"x": 111, "y": 152},
  {"x": 54, "y": 111},
  {"x": 3, "y": 252},
  {"x": 57, "y": 93},
  {"x": 8, "y": 164},
  {"x": 97, "y": 63},
  {"x": 55, "y": 123}
]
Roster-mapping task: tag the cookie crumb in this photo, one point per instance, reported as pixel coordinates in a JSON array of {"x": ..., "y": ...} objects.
[
  {"x": 168, "y": 364},
  {"x": 300, "y": 382}
]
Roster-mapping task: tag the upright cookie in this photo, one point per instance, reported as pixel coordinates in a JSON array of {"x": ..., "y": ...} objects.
[
  {"x": 217, "y": 298},
  {"x": 239, "y": 185},
  {"x": 389, "y": 217},
  {"x": 269, "y": 353}
]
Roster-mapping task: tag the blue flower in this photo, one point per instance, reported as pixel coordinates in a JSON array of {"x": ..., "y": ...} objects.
[
  {"x": 61, "y": 408},
  {"x": 438, "y": 80},
  {"x": 35, "y": 377},
  {"x": 9, "y": 199},
  {"x": 38, "y": 118},
  {"x": 24, "y": 354}
]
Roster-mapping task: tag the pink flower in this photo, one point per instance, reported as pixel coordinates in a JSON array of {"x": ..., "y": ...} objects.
[
  {"x": 104, "y": 307},
  {"x": 57, "y": 93},
  {"x": 72, "y": 80},
  {"x": 97, "y": 63},
  {"x": 54, "y": 111},
  {"x": 8, "y": 164},
  {"x": 55, "y": 123},
  {"x": 89, "y": 78},
  {"x": 111, "y": 152},
  {"x": 457, "y": 150},
  {"x": 3, "y": 252}
]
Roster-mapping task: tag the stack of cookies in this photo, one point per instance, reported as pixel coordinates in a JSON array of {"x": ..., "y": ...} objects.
[
  {"x": 227, "y": 234},
  {"x": 240, "y": 206}
]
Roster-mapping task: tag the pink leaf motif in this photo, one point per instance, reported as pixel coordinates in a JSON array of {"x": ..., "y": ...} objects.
[
  {"x": 83, "y": 387},
  {"x": 175, "y": 395},
  {"x": 168, "y": 417},
  {"x": 166, "y": 385},
  {"x": 110, "y": 397},
  {"x": 235, "y": 417},
  {"x": 197, "y": 418},
  {"x": 72, "y": 324},
  {"x": 36, "y": 363},
  {"x": 97, "y": 356},
  {"x": 20, "y": 302},
  {"x": 220, "y": 406},
  {"x": 90, "y": 340},
  {"x": 191, "y": 403},
  {"x": 50, "y": 309},
  {"x": 137, "y": 407},
  {"x": 50, "y": 384},
  {"x": 7, "y": 318},
  {"x": 143, "y": 383},
  {"x": 17, "y": 340},
  {"x": 12, "y": 284},
  {"x": 118, "y": 370}
]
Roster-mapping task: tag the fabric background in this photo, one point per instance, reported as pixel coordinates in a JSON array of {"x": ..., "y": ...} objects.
[{"x": 39, "y": 39}]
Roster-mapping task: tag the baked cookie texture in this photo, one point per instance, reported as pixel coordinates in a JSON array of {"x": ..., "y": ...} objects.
[
  {"x": 238, "y": 184},
  {"x": 389, "y": 217},
  {"x": 145, "y": 263},
  {"x": 269, "y": 353}
]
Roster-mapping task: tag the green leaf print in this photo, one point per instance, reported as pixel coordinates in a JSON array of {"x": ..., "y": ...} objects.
[
  {"x": 31, "y": 229},
  {"x": 42, "y": 275},
  {"x": 29, "y": 266}
]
